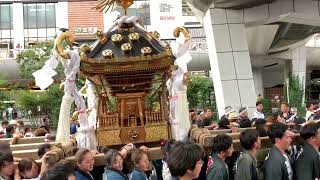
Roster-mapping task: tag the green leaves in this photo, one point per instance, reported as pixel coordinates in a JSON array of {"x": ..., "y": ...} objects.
[
  {"x": 296, "y": 93},
  {"x": 32, "y": 59},
  {"x": 49, "y": 101},
  {"x": 201, "y": 93}
]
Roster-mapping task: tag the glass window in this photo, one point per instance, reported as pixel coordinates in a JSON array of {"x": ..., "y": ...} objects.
[
  {"x": 5, "y": 16},
  {"x": 40, "y": 15},
  {"x": 39, "y": 22},
  {"x": 30, "y": 16},
  {"x": 6, "y": 25},
  {"x": 51, "y": 15}
]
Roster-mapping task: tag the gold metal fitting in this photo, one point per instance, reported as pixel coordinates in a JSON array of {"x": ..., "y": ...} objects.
[
  {"x": 116, "y": 38},
  {"x": 155, "y": 34},
  {"x": 134, "y": 36},
  {"x": 126, "y": 47},
  {"x": 101, "y": 36},
  {"x": 133, "y": 134},
  {"x": 146, "y": 50},
  {"x": 85, "y": 48},
  {"x": 107, "y": 53},
  {"x": 183, "y": 30}
]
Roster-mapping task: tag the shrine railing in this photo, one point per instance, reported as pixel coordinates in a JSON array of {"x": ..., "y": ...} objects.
[
  {"x": 154, "y": 118},
  {"x": 109, "y": 121}
]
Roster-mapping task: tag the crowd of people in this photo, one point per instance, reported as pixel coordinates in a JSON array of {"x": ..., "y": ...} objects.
[
  {"x": 287, "y": 115},
  {"x": 188, "y": 160},
  {"x": 17, "y": 130}
]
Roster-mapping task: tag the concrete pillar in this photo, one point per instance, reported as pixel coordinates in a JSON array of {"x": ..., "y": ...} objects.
[
  {"x": 258, "y": 81},
  {"x": 299, "y": 59},
  {"x": 299, "y": 65},
  {"x": 229, "y": 59},
  {"x": 18, "y": 27},
  {"x": 62, "y": 15}
]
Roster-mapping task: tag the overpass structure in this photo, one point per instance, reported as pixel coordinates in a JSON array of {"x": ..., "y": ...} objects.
[{"x": 253, "y": 46}]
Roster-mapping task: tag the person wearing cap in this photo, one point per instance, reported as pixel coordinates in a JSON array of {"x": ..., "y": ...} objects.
[
  {"x": 14, "y": 123},
  {"x": 233, "y": 119},
  {"x": 258, "y": 114},
  {"x": 243, "y": 119},
  {"x": 227, "y": 111}
]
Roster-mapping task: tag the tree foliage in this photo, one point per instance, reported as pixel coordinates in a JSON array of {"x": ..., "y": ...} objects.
[
  {"x": 201, "y": 93},
  {"x": 33, "y": 58},
  {"x": 3, "y": 95},
  {"x": 295, "y": 96},
  {"x": 49, "y": 101}
]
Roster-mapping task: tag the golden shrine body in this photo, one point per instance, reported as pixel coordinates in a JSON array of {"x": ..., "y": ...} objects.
[{"x": 125, "y": 63}]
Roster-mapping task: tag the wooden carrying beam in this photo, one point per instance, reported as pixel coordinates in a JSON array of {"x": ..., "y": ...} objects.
[
  {"x": 59, "y": 151},
  {"x": 19, "y": 147},
  {"x": 156, "y": 153},
  {"x": 195, "y": 132},
  {"x": 27, "y": 140}
]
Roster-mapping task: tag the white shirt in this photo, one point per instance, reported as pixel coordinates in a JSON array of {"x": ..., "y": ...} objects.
[
  {"x": 258, "y": 115},
  {"x": 289, "y": 169},
  {"x": 308, "y": 114}
]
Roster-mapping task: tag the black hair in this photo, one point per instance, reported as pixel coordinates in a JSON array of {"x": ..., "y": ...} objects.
[
  {"x": 223, "y": 123},
  {"x": 4, "y": 122},
  {"x": 309, "y": 130},
  {"x": 9, "y": 128},
  {"x": 277, "y": 130},
  {"x": 169, "y": 147},
  {"x": 245, "y": 122},
  {"x": 248, "y": 138},
  {"x": 258, "y": 103},
  {"x": 260, "y": 121},
  {"x": 308, "y": 105},
  {"x": 45, "y": 119},
  {"x": 62, "y": 170},
  {"x": 206, "y": 109},
  {"x": 43, "y": 149},
  {"x": 5, "y": 147},
  {"x": 275, "y": 116},
  {"x": 26, "y": 128},
  {"x": 260, "y": 124},
  {"x": 221, "y": 142},
  {"x": 5, "y": 157},
  {"x": 184, "y": 157},
  {"x": 21, "y": 123}
]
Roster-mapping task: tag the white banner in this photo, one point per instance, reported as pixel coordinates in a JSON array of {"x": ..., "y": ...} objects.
[{"x": 165, "y": 16}]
